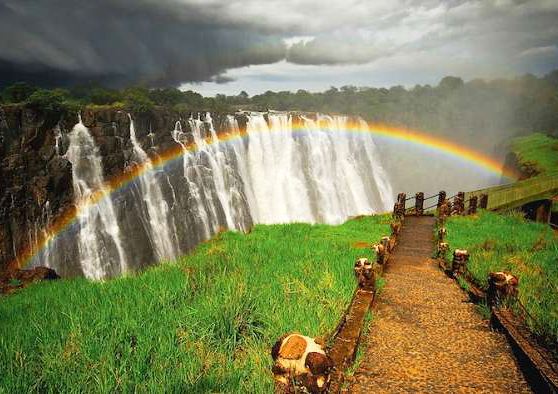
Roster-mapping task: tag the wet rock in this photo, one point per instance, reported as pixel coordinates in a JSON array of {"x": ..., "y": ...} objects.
[
  {"x": 16, "y": 279},
  {"x": 36, "y": 185}
]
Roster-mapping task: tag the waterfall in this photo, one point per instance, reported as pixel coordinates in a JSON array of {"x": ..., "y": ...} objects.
[
  {"x": 160, "y": 229},
  {"x": 321, "y": 175},
  {"x": 99, "y": 239},
  {"x": 193, "y": 179},
  {"x": 280, "y": 168}
]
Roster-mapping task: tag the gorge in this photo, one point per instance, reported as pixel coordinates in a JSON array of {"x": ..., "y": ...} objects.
[{"x": 111, "y": 192}]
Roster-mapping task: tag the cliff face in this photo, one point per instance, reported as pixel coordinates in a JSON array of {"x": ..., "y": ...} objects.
[
  {"x": 87, "y": 199},
  {"x": 36, "y": 184},
  {"x": 31, "y": 174}
]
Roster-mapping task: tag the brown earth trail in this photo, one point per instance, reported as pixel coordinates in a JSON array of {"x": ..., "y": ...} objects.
[{"x": 426, "y": 336}]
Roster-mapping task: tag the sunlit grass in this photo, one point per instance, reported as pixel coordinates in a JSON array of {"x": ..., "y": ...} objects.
[
  {"x": 536, "y": 153},
  {"x": 205, "y": 323},
  {"x": 528, "y": 250}
]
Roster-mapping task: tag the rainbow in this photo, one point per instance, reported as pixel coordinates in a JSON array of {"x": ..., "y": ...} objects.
[{"x": 407, "y": 136}]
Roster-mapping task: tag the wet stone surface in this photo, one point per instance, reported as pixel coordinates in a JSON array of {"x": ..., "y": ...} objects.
[{"x": 427, "y": 336}]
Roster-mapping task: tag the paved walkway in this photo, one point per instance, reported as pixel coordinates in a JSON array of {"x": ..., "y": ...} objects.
[{"x": 426, "y": 336}]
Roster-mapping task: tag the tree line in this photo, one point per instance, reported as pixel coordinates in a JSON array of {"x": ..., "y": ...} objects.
[{"x": 469, "y": 109}]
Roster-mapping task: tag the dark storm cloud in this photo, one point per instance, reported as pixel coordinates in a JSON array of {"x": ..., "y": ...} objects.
[
  {"x": 121, "y": 42},
  {"x": 165, "y": 42}
]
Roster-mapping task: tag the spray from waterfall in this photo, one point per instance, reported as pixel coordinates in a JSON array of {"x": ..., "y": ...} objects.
[{"x": 99, "y": 238}]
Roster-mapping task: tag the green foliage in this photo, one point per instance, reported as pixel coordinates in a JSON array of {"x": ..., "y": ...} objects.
[
  {"x": 477, "y": 110},
  {"x": 137, "y": 100},
  {"x": 18, "y": 92},
  {"x": 451, "y": 83},
  {"x": 528, "y": 250},
  {"x": 100, "y": 96},
  {"x": 53, "y": 101},
  {"x": 536, "y": 153},
  {"x": 205, "y": 323},
  {"x": 168, "y": 97}
]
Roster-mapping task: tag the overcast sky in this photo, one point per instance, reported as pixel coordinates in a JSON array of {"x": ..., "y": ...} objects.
[{"x": 225, "y": 46}]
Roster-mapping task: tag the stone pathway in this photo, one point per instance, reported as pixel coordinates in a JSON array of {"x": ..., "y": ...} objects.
[{"x": 426, "y": 336}]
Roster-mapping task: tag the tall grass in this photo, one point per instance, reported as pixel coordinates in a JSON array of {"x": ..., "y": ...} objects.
[
  {"x": 528, "y": 250},
  {"x": 536, "y": 153},
  {"x": 205, "y": 323}
]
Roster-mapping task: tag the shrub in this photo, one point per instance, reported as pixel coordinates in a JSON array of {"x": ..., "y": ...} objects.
[
  {"x": 18, "y": 92},
  {"x": 48, "y": 100},
  {"x": 137, "y": 100}
]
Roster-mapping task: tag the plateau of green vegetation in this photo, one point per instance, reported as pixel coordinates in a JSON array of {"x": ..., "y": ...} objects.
[
  {"x": 477, "y": 111},
  {"x": 205, "y": 323},
  {"x": 537, "y": 154},
  {"x": 529, "y": 250}
]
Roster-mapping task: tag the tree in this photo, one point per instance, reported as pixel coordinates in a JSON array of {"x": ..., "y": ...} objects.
[
  {"x": 450, "y": 83},
  {"x": 48, "y": 100},
  {"x": 18, "y": 92},
  {"x": 137, "y": 99},
  {"x": 101, "y": 96}
]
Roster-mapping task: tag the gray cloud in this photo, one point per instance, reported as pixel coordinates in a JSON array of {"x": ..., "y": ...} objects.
[
  {"x": 333, "y": 50},
  {"x": 494, "y": 33},
  {"x": 120, "y": 42},
  {"x": 166, "y": 42}
]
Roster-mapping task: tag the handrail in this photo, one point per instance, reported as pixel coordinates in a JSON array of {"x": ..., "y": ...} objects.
[
  {"x": 428, "y": 198},
  {"x": 431, "y": 206},
  {"x": 521, "y": 192}
]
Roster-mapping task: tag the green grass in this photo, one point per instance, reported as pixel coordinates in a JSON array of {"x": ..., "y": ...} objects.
[
  {"x": 205, "y": 323},
  {"x": 526, "y": 249},
  {"x": 536, "y": 153}
]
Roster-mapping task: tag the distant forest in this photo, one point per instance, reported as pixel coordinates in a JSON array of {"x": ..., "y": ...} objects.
[{"x": 468, "y": 110}]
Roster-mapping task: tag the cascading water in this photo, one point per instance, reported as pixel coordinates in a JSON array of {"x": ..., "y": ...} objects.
[
  {"x": 193, "y": 179},
  {"x": 159, "y": 225},
  {"x": 99, "y": 238},
  {"x": 319, "y": 175},
  {"x": 277, "y": 171}
]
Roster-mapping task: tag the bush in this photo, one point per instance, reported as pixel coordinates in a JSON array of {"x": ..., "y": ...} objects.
[
  {"x": 100, "y": 96},
  {"x": 18, "y": 92},
  {"x": 137, "y": 100},
  {"x": 169, "y": 96},
  {"x": 48, "y": 100}
]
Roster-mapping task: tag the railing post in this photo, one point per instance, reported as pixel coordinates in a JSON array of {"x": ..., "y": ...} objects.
[
  {"x": 399, "y": 206},
  {"x": 459, "y": 262},
  {"x": 472, "y": 205},
  {"x": 386, "y": 244},
  {"x": 441, "y": 199},
  {"x": 395, "y": 228},
  {"x": 483, "y": 201},
  {"x": 365, "y": 274},
  {"x": 419, "y": 203},
  {"x": 458, "y": 205},
  {"x": 443, "y": 212},
  {"x": 442, "y": 232},
  {"x": 501, "y": 286},
  {"x": 381, "y": 256},
  {"x": 443, "y": 247}
]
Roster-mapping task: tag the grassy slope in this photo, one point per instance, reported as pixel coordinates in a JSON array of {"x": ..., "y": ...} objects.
[
  {"x": 536, "y": 153},
  {"x": 527, "y": 249},
  {"x": 205, "y": 323}
]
